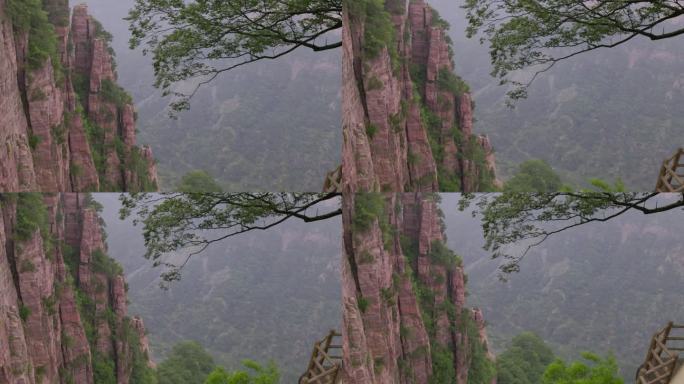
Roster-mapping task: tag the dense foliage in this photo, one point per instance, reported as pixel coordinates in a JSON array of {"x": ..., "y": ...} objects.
[
  {"x": 597, "y": 371},
  {"x": 190, "y": 363},
  {"x": 32, "y": 215},
  {"x": 198, "y": 181},
  {"x": 187, "y": 363},
  {"x": 253, "y": 374},
  {"x": 29, "y": 16},
  {"x": 524, "y": 361},
  {"x": 534, "y": 176}
]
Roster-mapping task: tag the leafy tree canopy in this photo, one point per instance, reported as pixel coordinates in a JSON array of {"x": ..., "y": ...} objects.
[
  {"x": 254, "y": 374},
  {"x": 197, "y": 182},
  {"x": 513, "y": 223},
  {"x": 188, "y": 363},
  {"x": 597, "y": 371},
  {"x": 198, "y": 40},
  {"x": 189, "y": 222},
  {"x": 525, "y": 360},
  {"x": 534, "y": 176},
  {"x": 535, "y": 35}
]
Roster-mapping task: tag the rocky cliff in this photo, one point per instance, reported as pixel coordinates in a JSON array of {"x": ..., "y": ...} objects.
[
  {"x": 407, "y": 118},
  {"x": 404, "y": 313},
  {"x": 63, "y": 316},
  {"x": 65, "y": 123}
]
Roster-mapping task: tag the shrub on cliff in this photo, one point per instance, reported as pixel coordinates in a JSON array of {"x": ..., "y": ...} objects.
[
  {"x": 29, "y": 16},
  {"x": 31, "y": 216}
]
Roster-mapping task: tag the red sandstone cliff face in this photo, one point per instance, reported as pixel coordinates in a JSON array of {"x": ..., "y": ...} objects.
[
  {"x": 404, "y": 310},
  {"x": 407, "y": 119},
  {"x": 43, "y": 123},
  {"x": 43, "y": 326}
]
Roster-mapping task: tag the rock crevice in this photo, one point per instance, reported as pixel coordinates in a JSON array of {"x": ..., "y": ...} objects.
[
  {"x": 408, "y": 119},
  {"x": 65, "y": 310},
  {"x": 60, "y": 114}
]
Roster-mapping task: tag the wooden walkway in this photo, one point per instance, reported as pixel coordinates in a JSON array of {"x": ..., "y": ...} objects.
[
  {"x": 326, "y": 361},
  {"x": 671, "y": 176},
  {"x": 662, "y": 358}
]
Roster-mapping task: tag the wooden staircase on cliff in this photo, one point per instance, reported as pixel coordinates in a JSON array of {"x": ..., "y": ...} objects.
[
  {"x": 325, "y": 362},
  {"x": 671, "y": 176},
  {"x": 662, "y": 359}
]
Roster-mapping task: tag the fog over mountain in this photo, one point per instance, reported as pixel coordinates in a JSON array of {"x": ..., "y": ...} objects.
[
  {"x": 262, "y": 295},
  {"x": 608, "y": 113},
  {"x": 599, "y": 287},
  {"x": 268, "y": 126}
]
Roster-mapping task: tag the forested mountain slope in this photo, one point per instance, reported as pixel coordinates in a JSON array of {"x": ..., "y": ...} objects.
[
  {"x": 262, "y": 295},
  {"x": 267, "y": 126},
  {"x": 608, "y": 114},
  {"x": 600, "y": 287}
]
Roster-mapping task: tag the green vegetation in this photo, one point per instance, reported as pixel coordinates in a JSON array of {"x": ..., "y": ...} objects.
[
  {"x": 524, "y": 361},
  {"x": 374, "y": 83},
  {"x": 105, "y": 264},
  {"x": 362, "y": 303},
  {"x": 371, "y": 130},
  {"x": 534, "y": 176},
  {"x": 176, "y": 31},
  {"x": 254, "y": 374},
  {"x": 32, "y": 216},
  {"x": 104, "y": 371},
  {"x": 24, "y": 312},
  {"x": 198, "y": 181},
  {"x": 482, "y": 370},
  {"x": 189, "y": 363},
  {"x": 525, "y": 35},
  {"x": 443, "y": 370},
  {"x": 29, "y": 16},
  {"x": 33, "y": 141},
  {"x": 442, "y": 255},
  {"x": 448, "y": 81},
  {"x": 378, "y": 28},
  {"x": 113, "y": 93},
  {"x": 597, "y": 371},
  {"x": 369, "y": 207}
]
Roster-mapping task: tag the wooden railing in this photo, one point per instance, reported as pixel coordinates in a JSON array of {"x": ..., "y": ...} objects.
[
  {"x": 333, "y": 181},
  {"x": 669, "y": 180},
  {"x": 326, "y": 361},
  {"x": 661, "y": 359}
]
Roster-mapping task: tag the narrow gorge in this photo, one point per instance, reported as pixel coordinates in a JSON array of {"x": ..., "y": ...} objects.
[
  {"x": 66, "y": 124},
  {"x": 405, "y": 318},
  {"x": 63, "y": 308},
  {"x": 407, "y": 118}
]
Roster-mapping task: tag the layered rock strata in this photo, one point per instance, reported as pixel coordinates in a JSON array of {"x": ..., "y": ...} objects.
[
  {"x": 62, "y": 300},
  {"x": 407, "y": 118},
  {"x": 405, "y": 318},
  {"x": 65, "y": 124}
]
